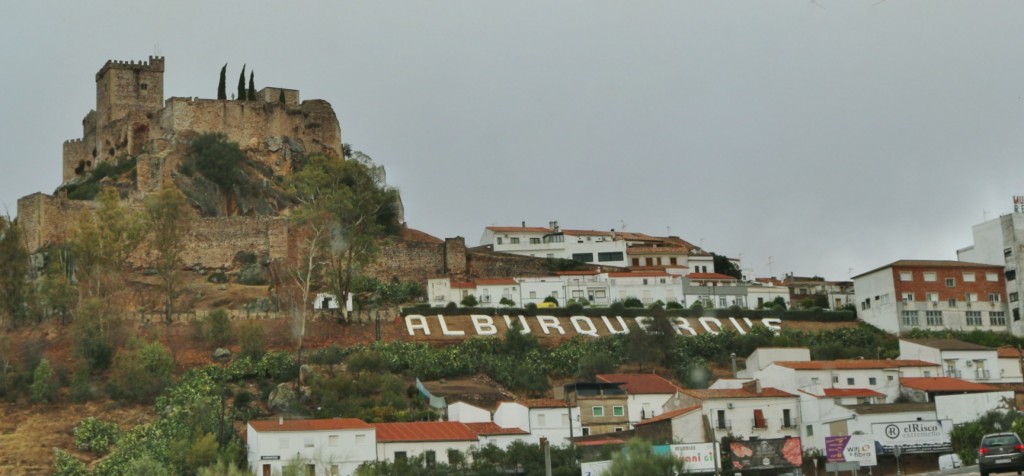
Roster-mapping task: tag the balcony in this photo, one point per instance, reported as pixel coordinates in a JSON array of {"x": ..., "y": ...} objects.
[
  {"x": 981, "y": 374},
  {"x": 723, "y": 425},
  {"x": 954, "y": 373},
  {"x": 790, "y": 424},
  {"x": 759, "y": 424}
]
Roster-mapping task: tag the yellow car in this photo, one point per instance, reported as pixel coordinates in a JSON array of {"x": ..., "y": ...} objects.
[{"x": 547, "y": 305}]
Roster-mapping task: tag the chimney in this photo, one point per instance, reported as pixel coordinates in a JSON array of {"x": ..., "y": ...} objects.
[{"x": 524, "y": 223}]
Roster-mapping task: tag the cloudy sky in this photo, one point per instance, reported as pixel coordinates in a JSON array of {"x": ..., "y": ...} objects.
[{"x": 824, "y": 137}]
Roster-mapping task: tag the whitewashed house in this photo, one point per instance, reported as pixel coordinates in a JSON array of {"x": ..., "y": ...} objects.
[
  {"x": 591, "y": 285},
  {"x": 490, "y": 433},
  {"x": 647, "y": 286},
  {"x": 435, "y": 441},
  {"x": 764, "y": 291},
  {"x": 750, "y": 412},
  {"x": 682, "y": 425},
  {"x": 587, "y": 246},
  {"x": 646, "y": 394},
  {"x": 1009, "y": 365},
  {"x": 466, "y": 413},
  {"x": 548, "y": 418},
  {"x": 964, "y": 360},
  {"x": 535, "y": 289},
  {"x": 325, "y": 447}
]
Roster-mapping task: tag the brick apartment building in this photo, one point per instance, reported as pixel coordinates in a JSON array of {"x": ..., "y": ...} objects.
[{"x": 934, "y": 294}]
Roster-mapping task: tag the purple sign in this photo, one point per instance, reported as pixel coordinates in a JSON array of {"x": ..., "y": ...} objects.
[{"x": 835, "y": 447}]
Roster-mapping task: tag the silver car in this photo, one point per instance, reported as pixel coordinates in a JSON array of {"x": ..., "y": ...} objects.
[{"x": 1000, "y": 452}]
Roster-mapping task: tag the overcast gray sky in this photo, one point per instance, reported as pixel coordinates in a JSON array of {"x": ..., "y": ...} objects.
[{"x": 831, "y": 136}]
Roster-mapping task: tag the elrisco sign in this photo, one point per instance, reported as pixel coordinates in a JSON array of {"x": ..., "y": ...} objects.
[
  {"x": 419, "y": 325},
  {"x": 912, "y": 433}
]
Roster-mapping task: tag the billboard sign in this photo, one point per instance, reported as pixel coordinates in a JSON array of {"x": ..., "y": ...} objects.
[
  {"x": 774, "y": 453},
  {"x": 911, "y": 433},
  {"x": 848, "y": 449},
  {"x": 594, "y": 468},
  {"x": 697, "y": 457}
]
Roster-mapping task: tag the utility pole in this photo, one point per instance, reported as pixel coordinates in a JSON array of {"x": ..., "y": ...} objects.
[{"x": 547, "y": 455}]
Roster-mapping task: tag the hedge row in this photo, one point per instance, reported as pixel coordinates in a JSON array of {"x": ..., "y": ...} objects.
[{"x": 813, "y": 315}]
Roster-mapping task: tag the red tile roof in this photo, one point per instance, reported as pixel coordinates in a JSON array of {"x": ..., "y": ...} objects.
[
  {"x": 424, "y": 431},
  {"x": 495, "y": 282},
  {"x": 639, "y": 274},
  {"x": 669, "y": 415},
  {"x": 706, "y": 394},
  {"x": 605, "y": 441},
  {"x": 328, "y": 424},
  {"x": 932, "y": 264},
  {"x": 852, "y": 392},
  {"x": 948, "y": 344},
  {"x": 587, "y": 232},
  {"x": 945, "y": 384},
  {"x": 710, "y": 276},
  {"x": 540, "y": 403},
  {"x": 637, "y": 384},
  {"x": 463, "y": 285},
  {"x": 854, "y": 364},
  {"x": 516, "y": 229},
  {"x": 656, "y": 250},
  {"x": 490, "y": 428},
  {"x": 412, "y": 234},
  {"x": 1008, "y": 353}
]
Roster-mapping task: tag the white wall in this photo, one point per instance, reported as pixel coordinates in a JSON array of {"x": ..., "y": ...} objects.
[
  {"x": 349, "y": 450},
  {"x": 466, "y": 413},
  {"x": 764, "y": 356},
  {"x": 1009, "y": 370},
  {"x": 649, "y": 404},
  {"x": 970, "y": 406},
  {"x": 386, "y": 451},
  {"x": 688, "y": 428},
  {"x": 882, "y": 313}
]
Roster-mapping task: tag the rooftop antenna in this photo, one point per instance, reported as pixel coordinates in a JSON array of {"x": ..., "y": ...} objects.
[
  {"x": 623, "y": 225},
  {"x": 668, "y": 231},
  {"x": 770, "y": 274},
  {"x": 156, "y": 49}
]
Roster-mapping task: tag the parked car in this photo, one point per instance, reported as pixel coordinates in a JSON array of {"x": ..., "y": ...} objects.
[{"x": 1000, "y": 452}]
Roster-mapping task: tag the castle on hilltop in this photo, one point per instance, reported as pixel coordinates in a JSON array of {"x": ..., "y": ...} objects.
[{"x": 132, "y": 120}]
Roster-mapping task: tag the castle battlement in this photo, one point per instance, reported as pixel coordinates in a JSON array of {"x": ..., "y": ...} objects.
[
  {"x": 155, "y": 64},
  {"x": 72, "y": 141}
]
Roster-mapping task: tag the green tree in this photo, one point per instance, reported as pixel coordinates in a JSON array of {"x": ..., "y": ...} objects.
[
  {"x": 251, "y": 93},
  {"x": 140, "y": 374},
  {"x": 168, "y": 217},
  {"x": 217, "y": 159},
  {"x": 252, "y": 340},
  {"x": 96, "y": 436},
  {"x": 44, "y": 385},
  {"x": 222, "y": 92},
  {"x": 595, "y": 363},
  {"x": 102, "y": 243},
  {"x": 223, "y": 467},
  {"x": 14, "y": 274},
  {"x": 360, "y": 208},
  {"x": 469, "y": 301},
  {"x": 148, "y": 465},
  {"x": 723, "y": 265},
  {"x": 241, "y": 85},
  {"x": 95, "y": 335},
  {"x": 59, "y": 293},
  {"x": 638, "y": 458},
  {"x": 220, "y": 328},
  {"x": 64, "y": 464}
]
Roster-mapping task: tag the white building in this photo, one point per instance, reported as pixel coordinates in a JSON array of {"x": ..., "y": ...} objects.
[
  {"x": 546, "y": 418},
  {"x": 466, "y": 413},
  {"x": 647, "y": 394},
  {"x": 763, "y": 291},
  {"x": 323, "y": 447},
  {"x": 1009, "y": 365},
  {"x": 750, "y": 412},
  {"x": 1000, "y": 241},
  {"x": 587, "y": 246},
  {"x": 490, "y": 433},
  {"x": 686, "y": 425},
  {"x": 961, "y": 360},
  {"x": 435, "y": 441},
  {"x": 647, "y": 286}
]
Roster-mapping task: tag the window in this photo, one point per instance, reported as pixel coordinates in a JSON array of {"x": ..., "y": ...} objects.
[
  {"x": 534, "y": 241},
  {"x": 565, "y": 419},
  {"x": 541, "y": 420},
  {"x": 533, "y": 294},
  {"x": 908, "y": 297},
  {"x": 514, "y": 241},
  {"x": 333, "y": 440},
  {"x": 810, "y": 430},
  {"x": 618, "y": 429},
  {"x": 835, "y": 379},
  {"x": 618, "y": 410},
  {"x": 1014, "y": 297},
  {"x": 586, "y": 431},
  {"x": 968, "y": 277},
  {"x": 431, "y": 458},
  {"x": 929, "y": 276},
  {"x": 360, "y": 439},
  {"x": 952, "y": 302},
  {"x": 787, "y": 419},
  {"x": 1007, "y": 252},
  {"x": 974, "y": 318},
  {"x": 584, "y": 257},
  {"x": 950, "y": 282},
  {"x": 872, "y": 381},
  {"x": 906, "y": 276},
  {"x": 499, "y": 240},
  {"x": 910, "y": 318},
  {"x": 971, "y": 297},
  {"x": 1011, "y": 274},
  {"x": 991, "y": 277},
  {"x": 610, "y": 256},
  {"x": 335, "y": 470},
  {"x": 401, "y": 456},
  {"x": 598, "y": 411},
  {"x": 600, "y": 294},
  {"x": 310, "y": 470},
  {"x": 815, "y": 380},
  {"x": 997, "y": 318},
  {"x": 933, "y": 318},
  {"x": 307, "y": 442},
  {"x": 722, "y": 302},
  {"x": 993, "y": 297},
  {"x": 721, "y": 423},
  {"x": 759, "y": 421},
  {"x": 849, "y": 381},
  {"x": 931, "y": 297},
  {"x": 927, "y": 373}
]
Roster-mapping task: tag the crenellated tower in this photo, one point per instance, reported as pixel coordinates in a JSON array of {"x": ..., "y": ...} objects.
[{"x": 123, "y": 87}]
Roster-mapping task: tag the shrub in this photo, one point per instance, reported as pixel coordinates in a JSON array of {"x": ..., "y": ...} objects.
[
  {"x": 451, "y": 307},
  {"x": 507, "y": 302},
  {"x": 367, "y": 361},
  {"x": 673, "y": 305},
  {"x": 531, "y": 306},
  {"x": 139, "y": 375},
  {"x": 552, "y": 300},
  {"x": 327, "y": 356},
  {"x": 96, "y": 436},
  {"x": 44, "y": 386},
  {"x": 469, "y": 301},
  {"x": 220, "y": 327},
  {"x": 217, "y": 159},
  {"x": 66, "y": 465},
  {"x": 633, "y": 302},
  {"x": 617, "y": 306},
  {"x": 575, "y": 308},
  {"x": 252, "y": 339},
  {"x": 81, "y": 388}
]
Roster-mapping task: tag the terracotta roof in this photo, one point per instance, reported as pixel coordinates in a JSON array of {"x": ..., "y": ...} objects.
[
  {"x": 852, "y": 392},
  {"x": 637, "y": 384},
  {"x": 490, "y": 428},
  {"x": 606, "y": 441},
  {"x": 710, "y": 276},
  {"x": 495, "y": 282},
  {"x": 914, "y": 263},
  {"x": 328, "y": 424},
  {"x": 463, "y": 285},
  {"x": 516, "y": 229},
  {"x": 639, "y": 274},
  {"x": 944, "y": 384},
  {"x": 627, "y": 235},
  {"x": 424, "y": 431},
  {"x": 669, "y": 415},
  {"x": 853, "y": 364},
  {"x": 948, "y": 344},
  {"x": 1008, "y": 352},
  {"x": 772, "y": 281},
  {"x": 705, "y": 394},
  {"x": 540, "y": 403}
]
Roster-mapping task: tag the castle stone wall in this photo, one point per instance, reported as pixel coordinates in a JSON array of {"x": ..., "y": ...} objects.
[
  {"x": 408, "y": 260},
  {"x": 48, "y": 219},
  {"x": 213, "y": 242}
]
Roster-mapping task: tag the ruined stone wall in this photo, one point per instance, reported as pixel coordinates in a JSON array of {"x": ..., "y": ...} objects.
[
  {"x": 213, "y": 242},
  {"x": 408, "y": 260},
  {"x": 486, "y": 264},
  {"x": 76, "y": 156},
  {"x": 48, "y": 219}
]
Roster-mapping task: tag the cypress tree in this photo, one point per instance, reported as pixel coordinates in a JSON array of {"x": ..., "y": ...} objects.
[
  {"x": 252, "y": 87},
  {"x": 241, "y": 85},
  {"x": 221, "y": 87}
]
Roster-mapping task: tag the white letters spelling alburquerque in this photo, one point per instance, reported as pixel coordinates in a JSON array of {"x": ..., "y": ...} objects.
[{"x": 483, "y": 325}]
